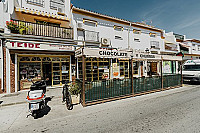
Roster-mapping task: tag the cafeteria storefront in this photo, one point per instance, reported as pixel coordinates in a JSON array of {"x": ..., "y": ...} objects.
[
  {"x": 40, "y": 61},
  {"x": 110, "y": 74}
]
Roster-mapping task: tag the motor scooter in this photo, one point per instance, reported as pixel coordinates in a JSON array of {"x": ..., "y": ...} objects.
[{"x": 36, "y": 98}]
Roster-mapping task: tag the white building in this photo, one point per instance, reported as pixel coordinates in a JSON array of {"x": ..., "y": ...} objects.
[
  {"x": 117, "y": 33},
  {"x": 40, "y": 46}
]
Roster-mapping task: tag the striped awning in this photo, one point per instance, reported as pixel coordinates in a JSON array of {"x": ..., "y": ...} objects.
[{"x": 42, "y": 13}]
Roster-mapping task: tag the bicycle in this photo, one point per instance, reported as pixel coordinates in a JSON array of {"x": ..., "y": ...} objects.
[{"x": 67, "y": 96}]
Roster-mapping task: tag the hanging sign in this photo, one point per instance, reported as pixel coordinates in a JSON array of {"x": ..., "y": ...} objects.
[{"x": 37, "y": 46}]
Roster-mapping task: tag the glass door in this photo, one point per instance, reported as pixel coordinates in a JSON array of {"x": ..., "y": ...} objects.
[{"x": 56, "y": 73}]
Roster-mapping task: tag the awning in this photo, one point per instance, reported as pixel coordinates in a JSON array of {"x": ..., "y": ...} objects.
[
  {"x": 42, "y": 13},
  {"x": 184, "y": 45},
  {"x": 168, "y": 42}
]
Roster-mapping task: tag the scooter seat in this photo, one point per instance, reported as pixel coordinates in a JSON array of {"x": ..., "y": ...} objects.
[{"x": 35, "y": 94}]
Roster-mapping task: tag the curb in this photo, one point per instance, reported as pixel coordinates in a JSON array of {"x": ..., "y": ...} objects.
[{"x": 16, "y": 103}]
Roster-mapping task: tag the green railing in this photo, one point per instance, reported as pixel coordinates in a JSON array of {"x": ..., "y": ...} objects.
[
  {"x": 100, "y": 90},
  {"x": 171, "y": 80},
  {"x": 108, "y": 89},
  {"x": 145, "y": 84}
]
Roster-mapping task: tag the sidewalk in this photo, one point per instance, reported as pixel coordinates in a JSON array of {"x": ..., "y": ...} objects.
[{"x": 20, "y": 97}]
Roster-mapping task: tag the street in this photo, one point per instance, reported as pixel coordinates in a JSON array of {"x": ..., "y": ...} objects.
[{"x": 171, "y": 111}]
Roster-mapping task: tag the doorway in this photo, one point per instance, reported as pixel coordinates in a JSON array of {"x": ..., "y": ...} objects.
[{"x": 47, "y": 75}]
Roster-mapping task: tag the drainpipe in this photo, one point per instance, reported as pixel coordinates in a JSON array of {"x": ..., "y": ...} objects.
[{"x": 128, "y": 36}]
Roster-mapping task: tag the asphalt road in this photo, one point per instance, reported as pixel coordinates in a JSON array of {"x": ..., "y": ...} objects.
[{"x": 173, "y": 111}]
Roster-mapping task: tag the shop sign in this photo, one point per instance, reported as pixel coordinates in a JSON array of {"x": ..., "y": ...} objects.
[
  {"x": 96, "y": 52},
  {"x": 37, "y": 46},
  {"x": 146, "y": 56}
]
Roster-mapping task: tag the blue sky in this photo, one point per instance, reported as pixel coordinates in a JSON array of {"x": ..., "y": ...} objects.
[{"x": 179, "y": 16}]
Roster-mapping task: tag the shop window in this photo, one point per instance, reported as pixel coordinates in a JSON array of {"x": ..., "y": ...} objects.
[
  {"x": 169, "y": 67},
  {"x": 124, "y": 69},
  {"x": 135, "y": 67},
  {"x": 30, "y": 71},
  {"x": 46, "y": 59},
  {"x": 152, "y": 68},
  {"x": 95, "y": 69},
  {"x": 25, "y": 59},
  {"x": 36, "y": 59}
]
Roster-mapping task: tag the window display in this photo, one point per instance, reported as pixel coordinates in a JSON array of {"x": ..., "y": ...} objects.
[{"x": 30, "y": 70}]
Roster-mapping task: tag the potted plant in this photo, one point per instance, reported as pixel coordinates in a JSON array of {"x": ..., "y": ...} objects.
[
  {"x": 75, "y": 90},
  {"x": 23, "y": 29},
  {"x": 12, "y": 26}
]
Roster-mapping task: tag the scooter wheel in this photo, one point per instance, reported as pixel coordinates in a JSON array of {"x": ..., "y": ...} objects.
[{"x": 34, "y": 115}]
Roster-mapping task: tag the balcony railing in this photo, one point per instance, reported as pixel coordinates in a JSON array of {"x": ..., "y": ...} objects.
[
  {"x": 171, "y": 47},
  {"x": 46, "y": 30}
]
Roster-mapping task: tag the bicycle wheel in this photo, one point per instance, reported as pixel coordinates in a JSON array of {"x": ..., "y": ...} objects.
[
  {"x": 64, "y": 93},
  {"x": 69, "y": 102}
]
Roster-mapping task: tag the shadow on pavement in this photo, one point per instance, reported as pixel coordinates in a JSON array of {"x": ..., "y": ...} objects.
[
  {"x": 46, "y": 110},
  {"x": 1, "y": 102},
  {"x": 192, "y": 83}
]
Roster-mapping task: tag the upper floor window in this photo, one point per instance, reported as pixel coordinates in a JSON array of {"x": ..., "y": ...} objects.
[
  {"x": 118, "y": 37},
  {"x": 36, "y": 2},
  {"x": 193, "y": 47},
  {"x": 90, "y": 22},
  {"x": 57, "y": 5},
  {"x": 118, "y": 28},
  {"x": 137, "y": 31},
  {"x": 198, "y": 48},
  {"x": 155, "y": 44},
  {"x": 136, "y": 39},
  {"x": 152, "y": 34}
]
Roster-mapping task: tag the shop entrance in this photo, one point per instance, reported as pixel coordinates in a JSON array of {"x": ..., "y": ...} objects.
[
  {"x": 46, "y": 67},
  {"x": 53, "y": 68}
]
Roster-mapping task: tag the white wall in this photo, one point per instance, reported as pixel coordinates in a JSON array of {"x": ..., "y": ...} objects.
[
  {"x": 46, "y": 7},
  {"x": 106, "y": 30}
]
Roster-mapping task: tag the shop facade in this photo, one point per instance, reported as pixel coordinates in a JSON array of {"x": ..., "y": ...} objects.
[
  {"x": 33, "y": 60},
  {"x": 109, "y": 74}
]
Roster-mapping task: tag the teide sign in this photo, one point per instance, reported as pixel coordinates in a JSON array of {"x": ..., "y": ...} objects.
[{"x": 37, "y": 46}]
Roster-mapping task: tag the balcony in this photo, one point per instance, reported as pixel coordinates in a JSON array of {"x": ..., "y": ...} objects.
[
  {"x": 171, "y": 47},
  {"x": 45, "y": 30}
]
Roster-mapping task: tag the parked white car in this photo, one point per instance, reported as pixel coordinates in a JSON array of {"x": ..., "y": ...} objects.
[{"x": 191, "y": 71}]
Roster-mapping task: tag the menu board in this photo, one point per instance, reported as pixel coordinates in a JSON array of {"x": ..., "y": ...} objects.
[{"x": 116, "y": 70}]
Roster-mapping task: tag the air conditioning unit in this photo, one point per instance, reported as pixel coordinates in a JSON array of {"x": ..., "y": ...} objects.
[
  {"x": 80, "y": 25},
  {"x": 105, "y": 41},
  {"x": 60, "y": 10}
]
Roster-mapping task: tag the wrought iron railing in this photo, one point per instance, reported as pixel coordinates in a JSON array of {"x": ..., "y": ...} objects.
[{"x": 47, "y": 30}]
